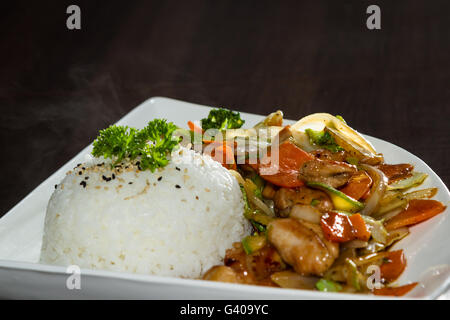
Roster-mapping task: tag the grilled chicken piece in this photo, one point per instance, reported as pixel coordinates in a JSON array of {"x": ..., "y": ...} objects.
[
  {"x": 222, "y": 274},
  {"x": 332, "y": 173},
  {"x": 286, "y": 198},
  {"x": 303, "y": 246},
  {"x": 254, "y": 268},
  {"x": 324, "y": 154}
]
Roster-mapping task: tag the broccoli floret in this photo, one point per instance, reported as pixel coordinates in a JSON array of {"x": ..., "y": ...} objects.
[
  {"x": 222, "y": 119},
  {"x": 323, "y": 139}
]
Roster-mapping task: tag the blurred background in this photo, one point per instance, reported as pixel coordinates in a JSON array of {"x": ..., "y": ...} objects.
[{"x": 58, "y": 87}]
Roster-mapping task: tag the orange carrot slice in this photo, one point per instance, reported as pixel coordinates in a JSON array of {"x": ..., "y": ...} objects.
[
  {"x": 359, "y": 226},
  {"x": 358, "y": 186},
  {"x": 224, "y": 154},
  {"x": 193, "y": 127},
  {"x": 395, "y": 291},
  {"x": 418, "y": 210},
  {"x": 339, "y": 227},
  {"x": 394, "y": 266},
  {"x": 290, "y": 159}
]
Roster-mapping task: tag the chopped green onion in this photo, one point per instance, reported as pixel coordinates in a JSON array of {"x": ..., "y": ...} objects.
[{"x": 328, "y": 286}]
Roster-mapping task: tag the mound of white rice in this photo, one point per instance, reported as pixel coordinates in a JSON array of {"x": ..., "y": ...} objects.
[{"x": 177, "y": 221}]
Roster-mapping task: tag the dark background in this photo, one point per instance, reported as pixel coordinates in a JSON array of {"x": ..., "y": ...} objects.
[{"x": 59, "y": 87}]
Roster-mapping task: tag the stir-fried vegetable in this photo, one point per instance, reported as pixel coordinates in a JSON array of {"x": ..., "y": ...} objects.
[
  {"x": 273, "y": 119},
  {"x": 377, "y": 190},
  {"x": 341, "y": 201},
  {"x": 250, "y": 188},
  {"x": 285, "y": 173},
  {"x": 224, "y": 154},
  {"x": 417, "y": 178},
  {"x": 396, "y": 172},
  {"x": 328, "y": 286},
  {"x": 358, "y": 186},
  {"x": 298, "y": 231},
  {"x": 253, "y": 243},
  {"x": 392, "y": 237},
  {"x": 353, "y": 149},
  {"x": 339, "y": 227},
  {"x": 395, "y": 291},
  {"x": 395, "y": 199},
  {"x": 222, "y": 119},
  {"x": 293, "y": 280},
  {"x": 417, "y": 211},
  {"x": 194, "y": 128},
  {"x": 377, "y": 229},
  {"x": 323, "y": 139},
  {"x": 318, "y": 121},
  {"x": 393, "y": 265},
  {"x": 354, "y": 277}
]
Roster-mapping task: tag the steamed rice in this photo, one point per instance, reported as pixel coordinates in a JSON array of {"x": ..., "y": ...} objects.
[{"x": 177, "y": 221}]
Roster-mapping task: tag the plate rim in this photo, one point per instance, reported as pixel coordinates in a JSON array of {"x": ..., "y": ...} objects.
[{"x": 60, "y": 270}]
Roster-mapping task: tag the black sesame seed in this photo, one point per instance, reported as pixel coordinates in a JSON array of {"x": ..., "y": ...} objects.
[
  {"x": 78, "y": 164},
  {"x": 113, "y": 176},
  {"x": 83, "y": 183},
  {"x": 160, "y": 178},
  {"x": 106, "y": 178},
  {"x": 56, "y": 186},
  {"x": 177, "y": 186},
  {"x": 177, "y": 168},
  {"x": 80, "y": 173},
  {"x": 83, "y": 168},
  {"x": 130, "y": 182},
  {"x": 86, "y": 178}
]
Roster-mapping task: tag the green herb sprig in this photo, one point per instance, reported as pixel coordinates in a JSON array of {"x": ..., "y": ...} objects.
[{"x": 152, "y": 144}]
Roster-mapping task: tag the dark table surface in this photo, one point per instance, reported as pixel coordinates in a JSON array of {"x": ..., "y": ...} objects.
[{"x": 58, "y": 87}]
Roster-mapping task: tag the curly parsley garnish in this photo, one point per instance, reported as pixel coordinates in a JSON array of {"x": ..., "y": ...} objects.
[
  {"x": 152, "y": 144},
  {"x": 222, "y": 119}
]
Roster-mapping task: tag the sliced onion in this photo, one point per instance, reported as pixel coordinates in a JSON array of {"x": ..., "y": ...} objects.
[
  {"x": 305, "y": 212},
  {"x": 273, "y": 119},
  {"x": 396, "y": 235},
  {"x": 318, "y": 121},
  {"x": 392, "y": 213},
  {"x": 373, "y": 247},
  {"x": 293, "y": 280},
  {"x": 355, "y": 150},
  {"x": 238, "y": 177},
  {"x": 377, "y": 229},
  {"x": 370, "y": 258},
  {"x": 394, "y": 200},
  {"x": 393, "y": 236},
  {"x": 414, "y": 180},
  {"x": 262, "y": 133},
  {"x": 377, "y": 191},
  {"x": 301, "y": 140},
  {"x": 355, "y": 244},
  {"x": 249, "y": 188}
]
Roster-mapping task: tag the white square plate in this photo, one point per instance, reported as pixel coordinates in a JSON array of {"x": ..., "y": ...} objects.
[{"x": 21, "y": 276}]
